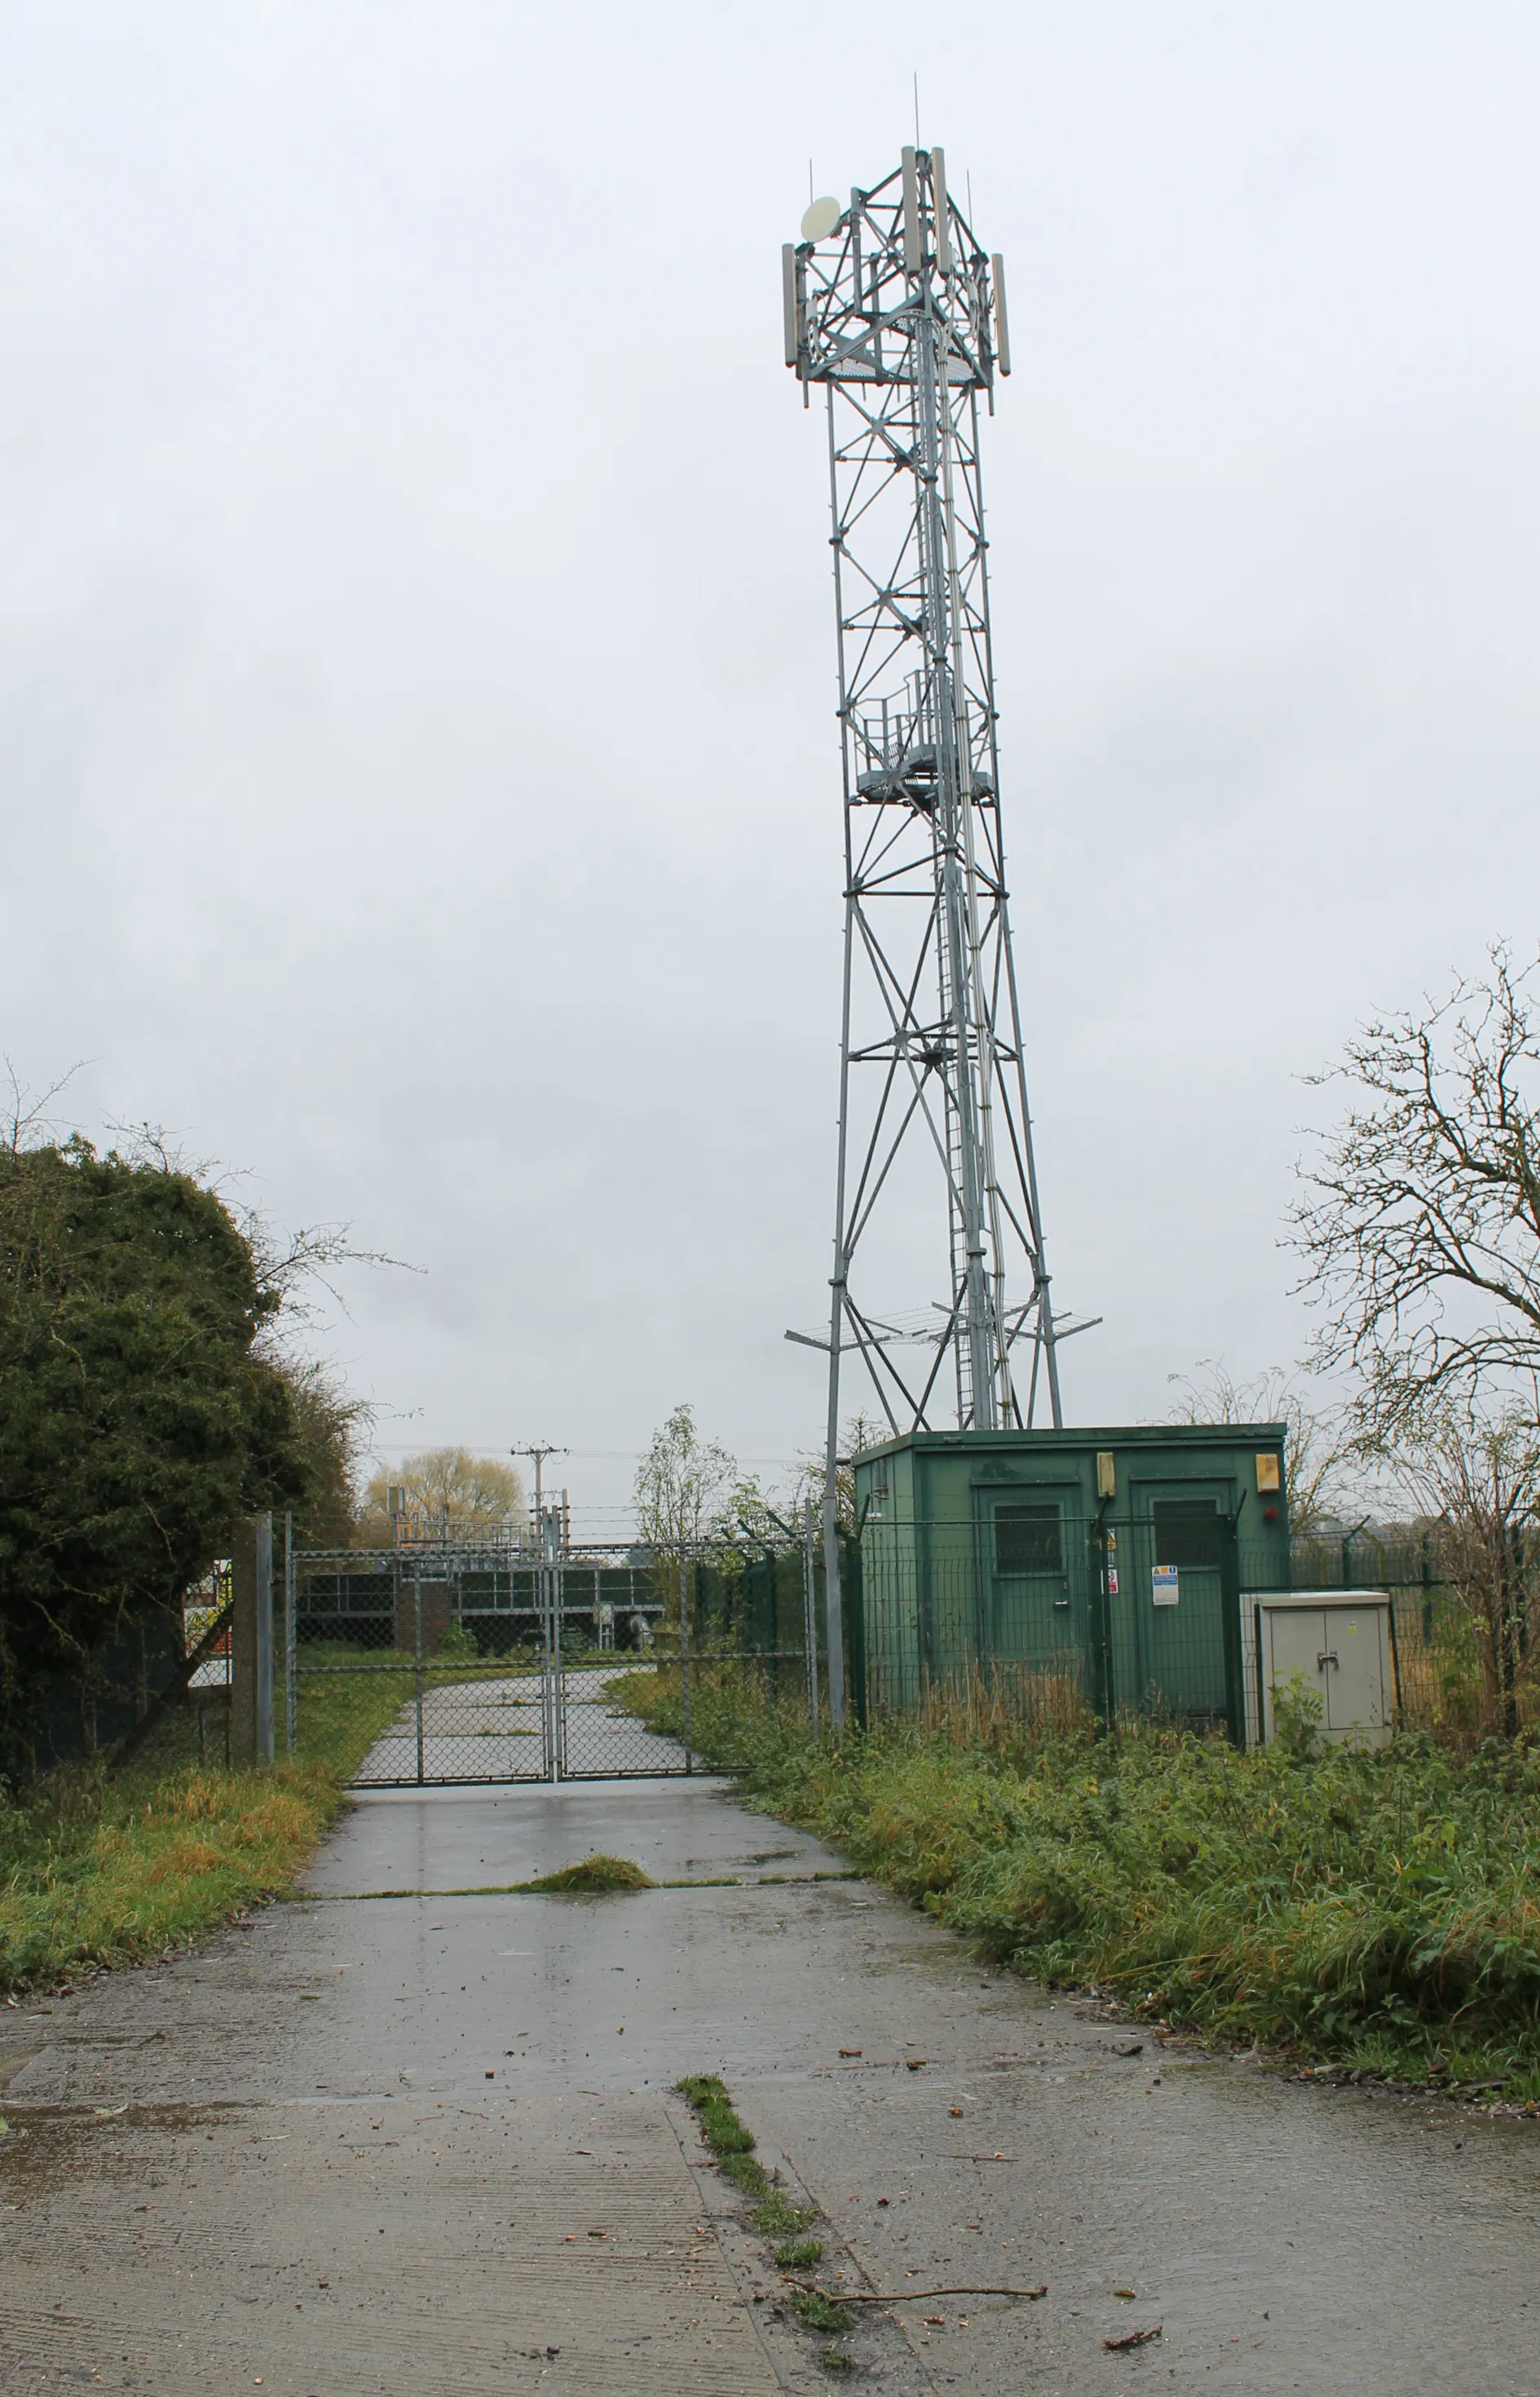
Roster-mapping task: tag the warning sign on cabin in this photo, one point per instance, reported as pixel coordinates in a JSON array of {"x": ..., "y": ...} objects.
[{"x": 1165, "y": 1586}]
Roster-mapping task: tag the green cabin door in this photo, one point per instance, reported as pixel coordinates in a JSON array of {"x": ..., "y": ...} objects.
[
  {"x": 1032, "y": 1589},
  {"x": 1179, "y": 1603}
]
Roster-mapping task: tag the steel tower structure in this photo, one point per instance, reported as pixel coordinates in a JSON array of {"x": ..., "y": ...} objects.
[{"x": 892, "y": 305}]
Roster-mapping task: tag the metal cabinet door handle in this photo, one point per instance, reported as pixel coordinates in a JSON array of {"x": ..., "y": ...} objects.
[{"x": 1326, "y": 1656}]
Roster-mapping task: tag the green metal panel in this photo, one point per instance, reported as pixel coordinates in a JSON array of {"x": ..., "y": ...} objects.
[
  {"x": 1003, "y": 1554},
  {"x": 1034, "y": 1589}
]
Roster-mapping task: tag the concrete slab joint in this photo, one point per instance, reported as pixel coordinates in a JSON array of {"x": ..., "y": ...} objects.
[{"x": 434, "y": 2147}]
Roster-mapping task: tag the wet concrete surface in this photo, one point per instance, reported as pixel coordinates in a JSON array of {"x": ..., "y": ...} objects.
[
  {"x": 457, "y": 1838},
  {"x": 436, "y": 2105}
]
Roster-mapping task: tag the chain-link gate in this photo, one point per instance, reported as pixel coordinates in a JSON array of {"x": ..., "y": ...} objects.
[{"x": 457, "y": 1659}]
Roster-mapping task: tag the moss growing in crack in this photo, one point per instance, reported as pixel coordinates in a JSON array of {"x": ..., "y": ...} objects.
[
  {"x": 728, "y": 2139},
  {"x": 776, "y": 2217},
  {"x": 773, "y": 2216},
  {"x": 813, "y": 2307},
  {"x": 725, "y": 2135}
]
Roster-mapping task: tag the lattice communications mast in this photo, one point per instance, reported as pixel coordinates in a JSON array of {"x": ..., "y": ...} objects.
[{"x": 892, "y": 306}]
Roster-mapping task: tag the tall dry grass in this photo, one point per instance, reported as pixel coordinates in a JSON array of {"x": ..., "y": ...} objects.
[
  {"x": 96, "y": 1870},
  {"x": 994, "y": 1704}
]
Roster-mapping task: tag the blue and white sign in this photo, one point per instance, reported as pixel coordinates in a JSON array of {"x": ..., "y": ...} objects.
[{"x": 1165, "y": 1588}]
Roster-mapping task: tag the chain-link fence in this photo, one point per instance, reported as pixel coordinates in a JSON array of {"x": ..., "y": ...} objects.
[
  {"x": 1040, "y": 1618},
  {"x": 1070, "y": 1619},
  {"x": 1464, "y": 1614},
  {"x": 492, "y": 1664}
]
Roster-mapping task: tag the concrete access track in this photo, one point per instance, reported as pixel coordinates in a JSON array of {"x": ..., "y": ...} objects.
[{"x": 408, "y": 2135}]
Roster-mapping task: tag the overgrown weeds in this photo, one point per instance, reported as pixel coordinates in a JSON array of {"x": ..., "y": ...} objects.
[
  {"x": 96, "y": 1870},
  {"x": 776, "y": 2217},
  {"x": 798, "y": 2255},
  {"x": 819, "y": 2312},
  {"x": 1379, "y": 1910}
]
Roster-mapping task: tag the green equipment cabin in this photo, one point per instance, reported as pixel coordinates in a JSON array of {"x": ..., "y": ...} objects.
[{"x": 1091, "y": 1573}]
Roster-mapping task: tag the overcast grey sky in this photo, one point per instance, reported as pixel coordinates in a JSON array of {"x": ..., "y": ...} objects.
[{"x": 416, "y": 659}]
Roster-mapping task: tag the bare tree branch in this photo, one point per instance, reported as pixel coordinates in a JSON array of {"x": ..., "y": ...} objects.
[
  {"x": 23, "y": 1120},
  {"x": 1318, "y": 1445},
  {"x": 290, "y": 1265},
  {"x": 1420, "y": 1229}
]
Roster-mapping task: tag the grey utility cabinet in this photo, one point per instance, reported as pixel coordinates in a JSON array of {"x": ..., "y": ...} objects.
[{"x": 1341, "y": 1643}]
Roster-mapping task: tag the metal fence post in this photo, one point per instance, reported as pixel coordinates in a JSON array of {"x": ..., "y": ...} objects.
[
  {"x": 548, "y": 1637},
  {"x": 1229, "y": 1628},
  {"x": 558, "y": 1684},
  {"x": 1395, "y": 1662},
  {"x": 834, "y": 1614},
  {"x": 550, "y": 1661},
  {"x": 855, "y": 1615},
  {"x": 687, "y": 1581},
  {"x": 291, "y": 1640},
  {"x": 417, "y": 1637},
  {"x": 265, "y": 1639},
  {"x": 810, "y": 1608},
  {"x": 1102, "y": 1693},
  {"x": 241, "y": 1671}
]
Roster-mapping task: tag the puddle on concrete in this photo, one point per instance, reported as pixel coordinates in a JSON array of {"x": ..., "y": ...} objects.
[{"x": 47, "y": 2148}]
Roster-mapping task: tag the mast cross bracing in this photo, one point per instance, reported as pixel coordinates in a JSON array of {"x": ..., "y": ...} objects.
[{"x": 892, "y": 306}]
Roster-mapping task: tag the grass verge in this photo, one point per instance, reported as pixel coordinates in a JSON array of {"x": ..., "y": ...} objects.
[
  {"x": 1380, "y": 1913},
  {"x": 99, "y": 1872}
]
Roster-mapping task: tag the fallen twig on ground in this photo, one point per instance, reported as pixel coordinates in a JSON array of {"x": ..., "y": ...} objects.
[
  {"x": 904, "y": 2296},
  {"x": 1133, "y": 2339}
]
